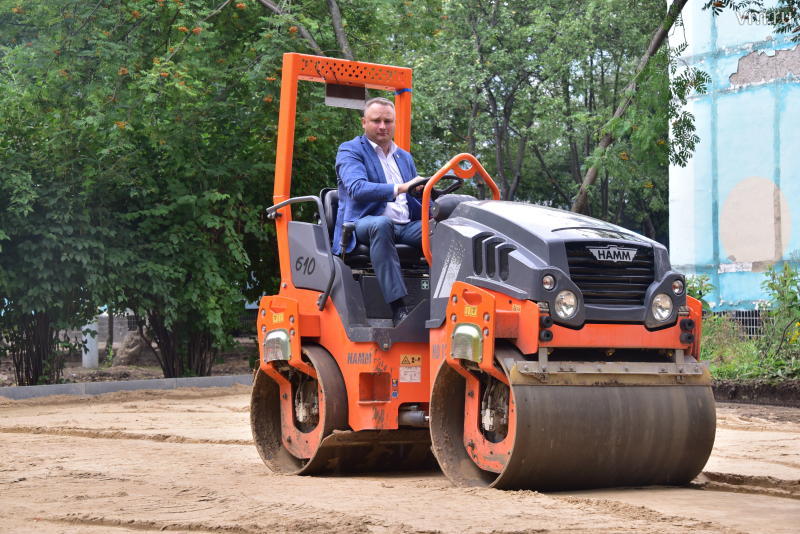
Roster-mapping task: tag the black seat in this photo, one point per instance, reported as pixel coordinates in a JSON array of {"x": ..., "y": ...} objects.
[
  {"x": 444, "y": 206},
  {"x": 359, "y": 256}
]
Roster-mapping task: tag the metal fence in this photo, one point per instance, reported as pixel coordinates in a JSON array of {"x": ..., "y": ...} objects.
[{"x": 749, "y": 321}]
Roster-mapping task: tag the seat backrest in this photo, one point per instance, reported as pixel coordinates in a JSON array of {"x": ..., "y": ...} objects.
[
  {"x": 446, "y": 204},
  {"x": 330, "y": 204}
]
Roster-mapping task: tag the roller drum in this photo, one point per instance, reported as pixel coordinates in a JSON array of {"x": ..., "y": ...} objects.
[
  {"x": 574, "y": 437},
  {"x": 335, "y": 449}
]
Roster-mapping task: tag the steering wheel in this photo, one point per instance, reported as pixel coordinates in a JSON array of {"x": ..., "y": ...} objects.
[{"x": 436, "y": 193}]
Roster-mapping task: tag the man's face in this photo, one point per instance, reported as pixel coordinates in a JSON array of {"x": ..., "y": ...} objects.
[{"x": 378, "y": 123}]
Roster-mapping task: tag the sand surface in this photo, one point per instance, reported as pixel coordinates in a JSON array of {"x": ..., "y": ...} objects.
[{"x": 183, "y": 461}]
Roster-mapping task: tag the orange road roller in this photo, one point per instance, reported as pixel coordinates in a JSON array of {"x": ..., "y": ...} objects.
[{"x": 545, "y": 350}]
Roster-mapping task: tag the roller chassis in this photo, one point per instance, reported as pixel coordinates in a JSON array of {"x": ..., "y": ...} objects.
[{"x": 483, "y": 373}]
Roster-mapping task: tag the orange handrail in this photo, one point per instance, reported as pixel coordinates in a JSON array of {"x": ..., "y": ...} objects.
[{"x": 454, "y": 165}]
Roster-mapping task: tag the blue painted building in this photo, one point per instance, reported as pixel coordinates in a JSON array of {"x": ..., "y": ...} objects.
[{"x": 735, "y": 208}]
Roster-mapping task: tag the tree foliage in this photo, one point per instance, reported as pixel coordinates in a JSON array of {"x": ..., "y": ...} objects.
[
  {"x": 138, "y": 146},
  {"x": 530, "y": 86}
]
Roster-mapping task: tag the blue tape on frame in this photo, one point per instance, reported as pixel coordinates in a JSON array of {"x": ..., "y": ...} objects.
[{"x": 399, "y": 91}]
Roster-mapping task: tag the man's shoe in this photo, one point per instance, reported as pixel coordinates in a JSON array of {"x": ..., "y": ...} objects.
[{"x": 401, "y": 313}]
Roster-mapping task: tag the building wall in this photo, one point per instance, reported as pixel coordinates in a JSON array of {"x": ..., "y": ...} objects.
[
  {"x": 123, "y": 325},
  {"x": 735, "y": 208}
]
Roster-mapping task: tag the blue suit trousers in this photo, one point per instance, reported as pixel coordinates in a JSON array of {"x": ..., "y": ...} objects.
[{"x": 381, "y": 234}]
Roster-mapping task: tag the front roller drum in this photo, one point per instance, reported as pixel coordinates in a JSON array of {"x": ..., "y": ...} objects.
[{"x": 564, "y": 437}]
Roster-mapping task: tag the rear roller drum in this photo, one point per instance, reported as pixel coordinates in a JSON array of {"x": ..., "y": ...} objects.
[
  {"x": 556, "y": 437},
  {"x": 299, "y": 425},
  {"x": 292, "y": 412}
]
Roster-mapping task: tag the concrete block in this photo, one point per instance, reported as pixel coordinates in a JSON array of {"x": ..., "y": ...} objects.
[
  {"x": 97, "y": 388},
  {"x": 29, "y": 392},
  {"x": 214, "y": 381}
]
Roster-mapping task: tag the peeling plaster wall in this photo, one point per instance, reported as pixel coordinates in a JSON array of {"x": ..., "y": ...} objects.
[
  {"x": 767, "y": 65},
  {"x": 735, "y": 208}
]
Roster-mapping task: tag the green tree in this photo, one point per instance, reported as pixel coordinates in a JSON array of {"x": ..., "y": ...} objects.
[
  {"x": 138, "y": 146},
  {"x": 529, "y": 87},
  {"x": 47, "y": 248},
  {"x": 51, "y": 247}
]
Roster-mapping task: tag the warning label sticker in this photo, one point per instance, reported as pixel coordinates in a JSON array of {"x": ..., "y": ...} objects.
[
  {"x": 414, "y": 360},
  {"x": 411, "y": 374},
  {"x": 410, "y": 368}
]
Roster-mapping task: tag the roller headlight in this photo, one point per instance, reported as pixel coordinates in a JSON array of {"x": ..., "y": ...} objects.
[
  {"x": 467, "y": 342},
  {"x": 662, "y": 307},
  {"x": 677, "y": 286},
  {"x": 277, "y": 346},
  {"x": 566, "y": 304}
]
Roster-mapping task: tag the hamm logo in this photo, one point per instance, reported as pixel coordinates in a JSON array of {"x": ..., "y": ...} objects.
[{"x": 613, "y": 253}]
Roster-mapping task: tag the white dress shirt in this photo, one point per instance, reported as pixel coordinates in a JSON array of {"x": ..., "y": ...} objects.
[{"x": 397, "y": 211}]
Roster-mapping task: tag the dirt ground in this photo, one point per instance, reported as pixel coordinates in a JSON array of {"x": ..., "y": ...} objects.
[{"x": 183, "y": 461}]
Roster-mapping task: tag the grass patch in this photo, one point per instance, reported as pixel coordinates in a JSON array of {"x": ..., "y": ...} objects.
[
  {"x": 733, "y": 356},
  {"x": 773, "y": 356}
]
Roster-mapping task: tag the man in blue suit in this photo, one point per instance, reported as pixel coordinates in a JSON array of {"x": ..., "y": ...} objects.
[{"x": 374, "y": 178}]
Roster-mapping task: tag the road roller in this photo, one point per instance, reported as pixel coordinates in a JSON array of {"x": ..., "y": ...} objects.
[{"x": 545, "y": 350}]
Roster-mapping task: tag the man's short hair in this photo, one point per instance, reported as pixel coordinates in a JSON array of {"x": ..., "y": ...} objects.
[{"x": 377, "y": 100}]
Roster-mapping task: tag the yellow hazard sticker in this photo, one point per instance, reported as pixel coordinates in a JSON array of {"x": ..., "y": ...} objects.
[
  {"x": 470, "y": 311},
  {"x": 516, "y": 307},
  {"x": 277, "y": 317},
  {"x": 411, "y": 360}
]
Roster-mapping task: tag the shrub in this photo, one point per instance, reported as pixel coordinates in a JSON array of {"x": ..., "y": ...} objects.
[
  {"x": 730, "y": 353},
  {"x": 780, "y": 343},
  {"x": 698, "y": 286}
]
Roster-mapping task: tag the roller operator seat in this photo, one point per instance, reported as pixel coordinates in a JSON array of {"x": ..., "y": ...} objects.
[{"x": 359, "y": 256}]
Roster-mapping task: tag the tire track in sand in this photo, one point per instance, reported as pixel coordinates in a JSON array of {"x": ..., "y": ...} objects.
[
  {"x": 627, "y": 511},
  {"x": 757, "y": 485},
  {"x": 268, "y": 521},
  {"x": 118, "y": 434}
]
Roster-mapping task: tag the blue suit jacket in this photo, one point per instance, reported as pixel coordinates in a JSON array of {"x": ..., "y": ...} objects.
[{"x": 362, "y": 185}]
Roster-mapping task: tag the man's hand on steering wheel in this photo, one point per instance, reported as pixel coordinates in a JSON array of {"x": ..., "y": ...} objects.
[
  {"x": 418, "y": 184},
  {"x": 414, "y": 185}
]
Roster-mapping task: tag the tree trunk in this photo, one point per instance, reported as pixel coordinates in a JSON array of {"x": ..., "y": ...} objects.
[
  {"x": 471, "y": 142},
  {"x": 166, "y": 354},
  {"x": 338, "y": 29},
  {"x": 182, "y": 351},
  {"x": 620, "y": 207},
  {"x": 201, "y": 353},
  {"x": 499, "y": 143},
  {"x": 650, "y": 229},
  {"x": 33, "y": 344},
  {"x": 519, "y": 161},
  {"x": 580, "y": 203},
  {"x": 548, "y": 174},
  {"x": 110, "y": 337},
  {"x": 574, "y": 165}
]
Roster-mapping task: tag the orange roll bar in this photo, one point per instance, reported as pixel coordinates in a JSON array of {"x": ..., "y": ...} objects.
[{"x": 334, "y": 71}]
